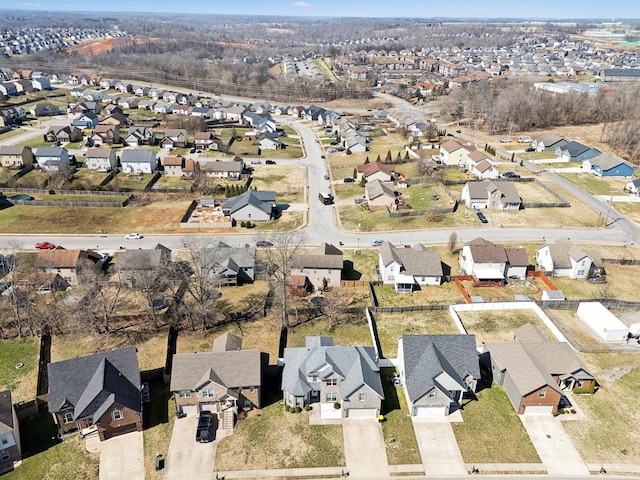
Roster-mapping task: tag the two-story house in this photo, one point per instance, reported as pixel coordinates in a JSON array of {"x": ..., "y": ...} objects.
[
  {"x": 101, "y": 159},
  {"x": 407, "y": 269},
  {"x": 10, "y": 448},
  {"x": 15, "y": 156},
  {"x": 138, "y": 160},
  {"x": 564, "y": 259},
  {"x": 496, "y": 195},
  {"x": 486, "y": 261},
  {"x": 342, "y": 381},
  {"x": 52, "y": 159},
  {"x": 452, "y": 153},
  {"x": 323, "y": 265},
  {"x": 69, "y": 264}
]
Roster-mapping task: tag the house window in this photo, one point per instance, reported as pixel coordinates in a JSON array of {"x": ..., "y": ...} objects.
[
  {"x": 391, "y": 278},
  {"x": 432, "y": 394},
  {"x": 247, "y": 404},
  {"x": 5, "y": 440},
  {"x": 116, "y": 414},
  {"x": 362, "y": 397},
  {"x": 314, "y": 378},
  {"x": 580, "y": 273},
  {"x": 332, "y": 381},
  {"x": 68, "y": 417},
  {"x": 543, "y": 393},
  {"x": 185, "y": 393},
  {"x": 391, "y": 268},
  {"x": 207, "y": 393},
  {"x": 332, "y": 397},
  {"x": 580, "y": 383},
  {"x": 4, "y": 455},
  {"x": 298, "y": 401}
]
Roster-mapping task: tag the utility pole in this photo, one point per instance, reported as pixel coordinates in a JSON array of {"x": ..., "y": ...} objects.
[{"x": 606, "y": 217}]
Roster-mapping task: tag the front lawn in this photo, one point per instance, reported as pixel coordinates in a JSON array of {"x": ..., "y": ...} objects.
[
  {"x": 288, "y": 182},
  {"x": 21, "y": 381},
  {"x": 273, "y": 438},
  {"x": 397, "y": 428},
  {"x": 595, "y": 185}
]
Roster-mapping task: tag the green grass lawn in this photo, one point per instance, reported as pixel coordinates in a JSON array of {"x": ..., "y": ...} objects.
[
  {"x": 491, "y": 431},
  {"x": 158, "y": 419},
  {"x": 290, "y": 140},
  {"x": 33, "y": 179},
  {"x": 397, "y": 428},
  {"x": 45, "y": 458},
  {"x": 123, "y": 180},
  {"x": 13, "y": 352},
  {"x": 595, "y": 185},
  {"x": 347, "y": 191},
  {"x": 362, "y": 263},
  {"x": 425, "y": 196},
  {"x": 349, "y": 330},
  {"x": 6, "y": 174}
]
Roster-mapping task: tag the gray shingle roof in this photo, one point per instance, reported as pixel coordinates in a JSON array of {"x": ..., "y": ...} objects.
[
  {"x": 261, "y": 200},
  {"x": 356, "y": 366},
  {"x": 427, "y": 356},
  {"x": 93, "y": 383},
  {"x": 137, "y": 155},
  {"x": 607, "y": 162},
  {"x": 377, "y": 189},
  {"x": 417, "y": 261},
  {"x": 324, "y": 256}
]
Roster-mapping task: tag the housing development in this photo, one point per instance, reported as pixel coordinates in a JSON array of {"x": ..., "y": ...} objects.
[{"x": 264, "y": 247}]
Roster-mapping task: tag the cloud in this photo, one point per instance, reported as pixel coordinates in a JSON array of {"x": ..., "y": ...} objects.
[{"x": 302, "y": 4}]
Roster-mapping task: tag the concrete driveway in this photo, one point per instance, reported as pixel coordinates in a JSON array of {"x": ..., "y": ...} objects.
[
  {"x": 554, "y": 447},
  {"x": 122, "y": 457},
  {"x": 364, "y": 451},
  {"x": 438, "y": 447},
  {"x": 186, "y": 458}
]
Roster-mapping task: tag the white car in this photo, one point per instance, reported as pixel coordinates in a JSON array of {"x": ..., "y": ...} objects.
[
  {"x": 133, "y": 236},
  {"x": 506, "y": 140}
]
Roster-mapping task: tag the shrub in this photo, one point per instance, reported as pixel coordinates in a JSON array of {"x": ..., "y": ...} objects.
[
  {"x": 243, "y": 224},
  {"x": 307, "y": 407},
  {"x": 573, "y": 410},
  {"x": 336, "y": 405},
  {"x": 562, "y": 411},
  {"x": 298, "y": 409}
]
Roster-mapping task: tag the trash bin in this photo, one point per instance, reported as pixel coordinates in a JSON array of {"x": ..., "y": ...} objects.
[{"x": 159, "y": 461}]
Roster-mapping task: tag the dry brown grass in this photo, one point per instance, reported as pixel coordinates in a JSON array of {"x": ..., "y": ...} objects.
[
  {"x": 287, "y": 181},
  {"x": 498, "y": 326},
  {"x": 568, "y": 320}
]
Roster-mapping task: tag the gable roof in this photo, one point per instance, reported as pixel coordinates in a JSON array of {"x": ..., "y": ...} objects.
[
  {"x": 323, "y": 256},
  {"x": 357, "y": 366},
  {"x": 93, "y": 383},
  {"x": 49, "y": 151},
  {"x": 261, "y": 200},
  {"x": 137, "y": 155},
  {"x": 484, "y": 251},
  {"x": 517, "y": 257},
  {"x": 608, "y": 162},
  {"x": 99, "y": 152},
  {"x": 576, "y": 148},
  {"x": 417, "y": 261},
  {"x": 143, "y": 259},
  {"x": 371, "y": 168},
  {"x": 563, "y": 251},
  {"x": 378, "y": 188},
  {"x": 427, "y": 356},
  {"x": 59, "y": 258},
  {"x": 549, "y": 139},
  {"x": 226, "y": 342}
]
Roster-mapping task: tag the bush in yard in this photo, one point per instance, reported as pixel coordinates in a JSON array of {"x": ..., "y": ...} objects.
[
  {"x": 336, "y": 405},
  {"x": 243, "y": 224},
  {"x": 298, "y": 409},
  {"x": 573, "y": 410},
  {"x": 307, "y": 407}
]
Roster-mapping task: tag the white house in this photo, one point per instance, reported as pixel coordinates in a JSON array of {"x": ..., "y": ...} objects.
[
  {"x": 452, "y": 153},
  {"x": 564, "y": 259},
  {"x": 481, "y": 166},
  {"x": 488, "y": 261},
  {"x": 409, "y": 268},
  {"x": 603, "y": 323},
  {"x": 51, "y": 159},
  {"x": 138, "y": 160},
  {"x": 101, "y": 159}
]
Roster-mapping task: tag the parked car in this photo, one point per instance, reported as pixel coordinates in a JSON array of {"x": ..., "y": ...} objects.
[
  {"x": 133, "y": 236},
  {"x": 510, "y": 175},
  {"x": 270, "y": 162},
  {"x": 263, "y": 244},
  {"x": 530, "y": 149},
  {"x": 322, "y": 156},
  {"x": 377, "y": 243},
  {"x": 45, "y": 246},
  {"x": 506, "y": 140},
  {"x": 204, "y": 426},
  {"x": 481, "y": 217},
  {"x": 348, "y": 180},
  {"x": 458, "y": 131},
  {"x": 326, "y": 177}
]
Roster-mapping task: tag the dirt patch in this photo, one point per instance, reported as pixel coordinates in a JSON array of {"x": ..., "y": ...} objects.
[{"x": 97, "y": 47}]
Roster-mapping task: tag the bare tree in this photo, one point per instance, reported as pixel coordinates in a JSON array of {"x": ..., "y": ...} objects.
[
  {"x": 278, "y": 256},
  {"x": 104, "y": 297},
  {"x": 452, "y": 244},
  {"x": 16, "y": 270}
]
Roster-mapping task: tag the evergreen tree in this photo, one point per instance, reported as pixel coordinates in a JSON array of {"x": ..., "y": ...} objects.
[
  {"x": 388, "y": 157},
  {"x": 227, "y": 191},
  {"x": 366, "y": 160},
  {"x": 355, "y": 172},
  {"x": 378, "y": 159}
]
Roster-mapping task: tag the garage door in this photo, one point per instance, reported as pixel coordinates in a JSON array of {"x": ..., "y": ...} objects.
[
  {"x": 188, "y": 409},
  {"x": 114, "y": 432},
  {"x": 362, "y": 413},
  {"x": 431, "y": 411},
  {"x": 538, "y": 410}
]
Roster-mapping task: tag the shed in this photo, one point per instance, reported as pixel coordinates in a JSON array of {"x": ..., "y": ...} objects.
[{"x": 604, "y": 323}]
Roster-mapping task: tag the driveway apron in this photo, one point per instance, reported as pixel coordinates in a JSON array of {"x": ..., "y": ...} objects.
[
  {"x": 554, "y": 446},
  {"x": 364, "y": 451},
  {"x": 122, "y": 457},
  {"x": 186, "y": 458},
  {"x": 438, "y": 447}
]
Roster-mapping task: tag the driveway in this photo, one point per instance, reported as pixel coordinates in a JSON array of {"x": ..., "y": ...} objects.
[
  {"x": 186, "y": 458},
  {"x": 364, "y": 451},
  {"x": 122, "y": 457},
  {"x": 554, "y": 447},
  {"x": 438, "y": 447}
]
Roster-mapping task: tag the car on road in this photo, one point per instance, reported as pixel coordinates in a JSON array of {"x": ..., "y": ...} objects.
[
  {"x": 481, "y": 217},
  {"x": 530, "y": 149},
  {"x": 348, "y": 180},
  {"x": 270, "y": 162},
  {"x": 326, "y": 177},
  {"x": 510, "y": 175},
  {"x": 506, "y": 140},
  {"x": 377, "y": 243},
  {"x": 458, "y": 131},
  {"x": 322, "y": 157},
  {"x": 45, "y": 246},
  {"x": 132, "y": 236},
  {"x": 263, "y": 244}
]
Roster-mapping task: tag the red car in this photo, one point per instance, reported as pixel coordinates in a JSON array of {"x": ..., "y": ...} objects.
[{"x": 45, "y": 246}]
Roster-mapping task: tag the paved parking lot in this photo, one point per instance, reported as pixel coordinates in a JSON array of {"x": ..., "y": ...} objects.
[
  {"x": 364, "y": 451},
  {"x": 554, "y": 447},
  {"x": 186, "y": 458},
  {"x": 122, "y": 457},
  {"x": 438, "y": 447}
]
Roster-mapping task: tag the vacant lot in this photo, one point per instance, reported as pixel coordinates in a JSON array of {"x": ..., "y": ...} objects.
[
  {"x": 530, "y": 192},
  {"x": 175, "y": 183},
  {"x": 19, "y": 367},
  {"x": 273, "y": 438},
  {"x": 491, "y": 431},
  {"x": 288, "y": 182},
  {"x": 610, "y": 434},
  {"x": 595, "y": 185},
  {"x": 132, "y": 182},
  {"x": 360, "y": 264},
  {"x": 85, "y": 179},
  {"x": 393, "y": 325},
  {"x": 426, "y": 196},
  {"x": 499, "y": 325}
]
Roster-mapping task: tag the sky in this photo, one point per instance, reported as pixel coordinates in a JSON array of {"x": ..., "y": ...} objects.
[{"x": 532, "y": 9}]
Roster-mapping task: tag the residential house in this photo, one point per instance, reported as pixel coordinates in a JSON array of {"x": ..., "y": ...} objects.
[
  {"x": 564, "y": 259},
  {"x": 84, "y": 107},
  {"x": 436, "y": 371},
  {"x": 342, "y": 381},
  {"x": 548, "y": 142},
  {"x": 63, "y": 134},
  {"x": 322, "y": 266},
  {"x": 10, "y": 447},
  {"x": 142, "y": 266},
  {"x": 207, "y": 141},
  {"x": 452, "y": 153},
  {"x": 41, "y": 83},
  {"x": 138, "y": 160},
  {"x": 116, "y": 118},
  {"x": 69, "y": 264},
  {"x": 605, "y": 165},
  {"x": 140, "y": 136},
  {"x": 105, "y": 135},
  {"x": 223, "y": 381},
  {"x": 251, "y": 206},
  {"x": 633, "y": 186},
  {"x": 174, "y": 137},
  {"x": 380, "y": 194},
  {"x": 576, "y": 152},
  {"x": 173, "y": 165},
  {"x": 376, "y": 171},
  {"x": 101, "y": 159},
  {"x": 299, "y": 285},
  {"x": 535, "y": 372},
  {"x": 44, "y": 109},
  {"x": 235, "y": 113},
  {"x": 231, "y": 169},
  {"x": 407, "y": 269},
  {"x": 97, "y": 393},
  {"x": 181, "y": 109},
  {"x": 15, "y": 156},
  {"x": 52, "y": 159},
  {"x": 497, "y": 195},
  {"x": 270, "y": 142},
  {"x": 481, "y": 166},
  {"x": 233, "y": 266},
  {"x": 486, "y": 261},
  {"x": 204, "y": 112}
]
